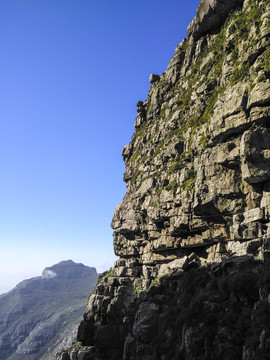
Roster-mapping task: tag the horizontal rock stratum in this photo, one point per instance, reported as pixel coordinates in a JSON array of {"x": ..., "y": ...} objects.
[{"x": 192, "y": 233}]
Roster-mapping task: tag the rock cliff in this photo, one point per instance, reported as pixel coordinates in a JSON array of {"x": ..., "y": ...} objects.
[
  {"x": 192, "y": 233},
  {"x": 40, "y": 315}
]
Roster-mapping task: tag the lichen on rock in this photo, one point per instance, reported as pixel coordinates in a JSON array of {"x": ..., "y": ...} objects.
[{"x": 192, "y": 233}]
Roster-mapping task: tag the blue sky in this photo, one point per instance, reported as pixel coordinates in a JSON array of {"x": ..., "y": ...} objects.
[{"x": 71, "y": 73}]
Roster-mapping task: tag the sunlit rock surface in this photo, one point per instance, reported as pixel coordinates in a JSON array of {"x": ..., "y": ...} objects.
[{"x": 192, "y": 233}]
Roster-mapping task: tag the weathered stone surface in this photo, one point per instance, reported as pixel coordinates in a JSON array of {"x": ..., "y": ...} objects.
[
  {"x": 210, "y": 15},
  {"x": 145, "y": 324},
  {"x": 259, "y": 95},
  {"x": 193, "y": 228},
  {"x": 153, "y": 78},
  {"x": 255, "y": 155}
]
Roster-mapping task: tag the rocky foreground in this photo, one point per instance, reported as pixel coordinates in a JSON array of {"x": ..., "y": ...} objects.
[
  {"x": 41, "y": 315},
  {"x": 193, "y": 231}
]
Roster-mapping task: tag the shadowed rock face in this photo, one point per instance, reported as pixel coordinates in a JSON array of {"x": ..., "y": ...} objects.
[
  {"x": 211, "y": 14},
  {"x": 192, "y": 233},
  {"x": 41, "y": 315}
]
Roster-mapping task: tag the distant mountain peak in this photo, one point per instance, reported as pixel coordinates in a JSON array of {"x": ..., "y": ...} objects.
[
  {"x": 48, "y": 274},
  {"x": 41, "y": 315},
  {"x": 66, "y": 269}
]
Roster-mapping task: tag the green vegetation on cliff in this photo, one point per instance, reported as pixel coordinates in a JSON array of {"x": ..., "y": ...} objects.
[
  {"x": 203, "y": 84},
  {"x": 192, "y": 231}
]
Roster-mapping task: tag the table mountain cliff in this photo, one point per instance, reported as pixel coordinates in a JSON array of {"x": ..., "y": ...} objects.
[
  {"x": 193, "y": 231},
  {"x": 40, "y": 315}
]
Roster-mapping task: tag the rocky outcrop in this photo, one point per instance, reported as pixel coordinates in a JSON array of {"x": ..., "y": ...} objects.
[
  {"x": 41, "y": 315},
  {"x": 192, "y": 233},
  {"x": 211, "y": 14}
]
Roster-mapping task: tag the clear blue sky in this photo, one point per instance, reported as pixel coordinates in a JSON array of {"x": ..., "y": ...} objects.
[{"x": 71, "y": 73}]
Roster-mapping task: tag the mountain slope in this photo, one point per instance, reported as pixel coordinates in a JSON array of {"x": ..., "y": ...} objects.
[
  {"x": 40, "y": 315},
  {"x": 193, "y": 231}
]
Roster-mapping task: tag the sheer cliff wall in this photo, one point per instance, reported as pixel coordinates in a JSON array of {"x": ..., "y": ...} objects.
[{"x": 197, "y": 203}]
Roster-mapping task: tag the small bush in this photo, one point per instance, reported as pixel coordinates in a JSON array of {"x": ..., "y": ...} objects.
[
  {"x": 240, "y": 74},
  {"x": 189, "y": 181}
]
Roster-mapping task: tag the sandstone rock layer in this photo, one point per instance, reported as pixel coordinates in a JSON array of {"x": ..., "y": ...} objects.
[{"x": 196, "y": 213}]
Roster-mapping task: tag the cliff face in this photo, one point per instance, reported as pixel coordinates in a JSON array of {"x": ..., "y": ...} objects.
[
  {"x": 41, "y": 315},
  {"x": 192, "y": 233}
]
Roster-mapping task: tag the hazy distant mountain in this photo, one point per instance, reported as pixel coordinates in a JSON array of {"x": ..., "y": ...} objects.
[{"x": 41, "y": 315}]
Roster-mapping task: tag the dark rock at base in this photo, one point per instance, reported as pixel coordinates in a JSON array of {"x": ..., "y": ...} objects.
[{"x": 193, "y": 230}]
